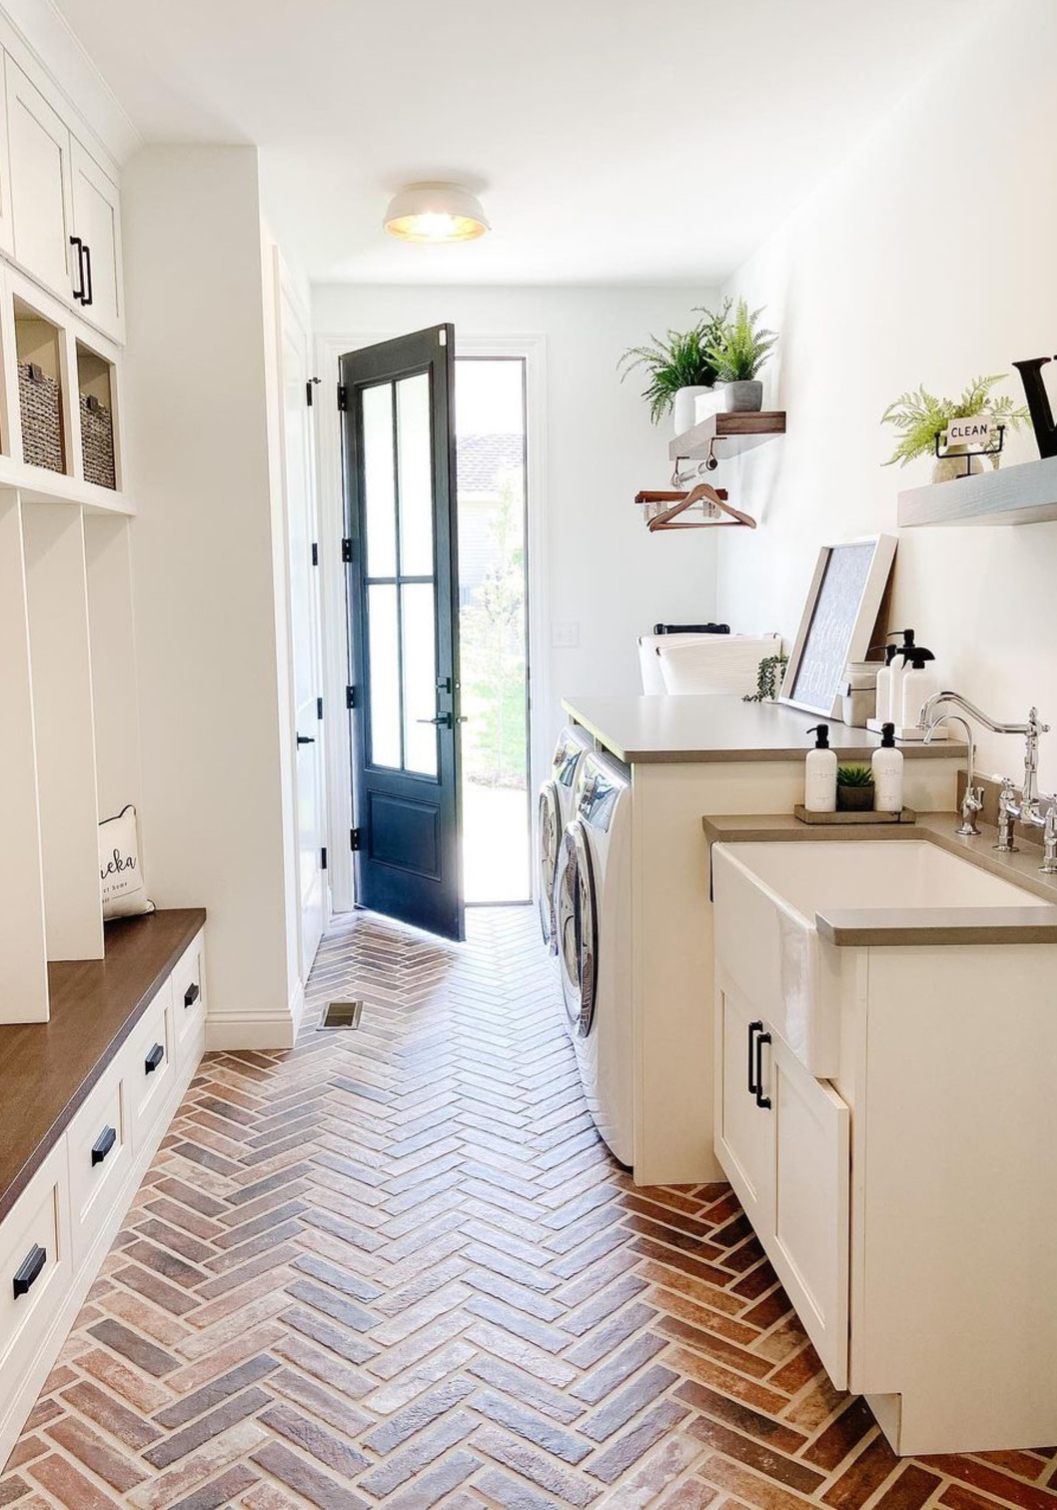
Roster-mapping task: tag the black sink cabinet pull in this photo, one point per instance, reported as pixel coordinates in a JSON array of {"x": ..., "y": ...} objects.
[
  {"x": 87, "y": 297},
  {"x": 762, "y": 1101},
  {"x": 103, "y": 1144},
  {"x": 153, "y": 1059},
  {"x": 29, "y": 1269},
  {"x": 191, "y": 995},
  {"x": 754, "y": 1028}
]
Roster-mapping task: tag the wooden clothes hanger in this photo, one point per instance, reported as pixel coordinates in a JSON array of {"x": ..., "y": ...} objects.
[{"x": 715, "y": 498}]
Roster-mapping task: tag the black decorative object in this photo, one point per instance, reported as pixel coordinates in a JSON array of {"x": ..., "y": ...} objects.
[{"x": 1038, "y": 404}]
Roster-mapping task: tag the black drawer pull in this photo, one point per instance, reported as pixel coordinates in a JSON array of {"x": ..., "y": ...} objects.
[
  {"x": 153, "y": 1059},
  {"x": 761, "y": 1100},
  {"x": 77, "y": 244},
  {"x": 191, "y": 995},
  {"x": 103, "y": 1144},
  {"x": 754, "y": 1028},
  {"x": 29, "y": 1269},
  {"x": 87, "y": 296}
]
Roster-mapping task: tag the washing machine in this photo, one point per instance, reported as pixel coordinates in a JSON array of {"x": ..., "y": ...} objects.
[
  {"x": 593, "y": 923},
  {"x": 555, "y": 811}
]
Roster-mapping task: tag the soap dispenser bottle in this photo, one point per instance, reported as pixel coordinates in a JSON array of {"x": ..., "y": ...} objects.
[
  {"x": 883, "y": 710},
  {"x": 820, "y": 774},
  {"x": 900, "y": 662},
  {"x": 887, "y": 764},
  {"x": 919, "y": 683}
]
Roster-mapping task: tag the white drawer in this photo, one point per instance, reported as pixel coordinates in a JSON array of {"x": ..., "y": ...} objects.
[
  {"x": 99, "y": 1151},
  {"x": 35, "y": 1268},
  {"x": 148, "y": 1067},
  {"x": 189, "y": 1002}
]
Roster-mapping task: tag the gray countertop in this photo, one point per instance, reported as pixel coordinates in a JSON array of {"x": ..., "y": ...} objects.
[
  {"x": 722, "y": 728},
  {"x": 895, "y": 926}
]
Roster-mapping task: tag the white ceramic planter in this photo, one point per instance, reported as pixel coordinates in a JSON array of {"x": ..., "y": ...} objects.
[
  {"x": 683, "y": 408},
  {"x": 708, "y": 403}
]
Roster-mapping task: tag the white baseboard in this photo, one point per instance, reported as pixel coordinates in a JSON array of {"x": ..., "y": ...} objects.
[{"x": 248, "y": 1030}]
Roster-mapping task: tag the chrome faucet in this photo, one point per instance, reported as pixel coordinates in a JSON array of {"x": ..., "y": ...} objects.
[
  {"x": 1010, "y": 811},
  {"x": 973, "y": 799}
]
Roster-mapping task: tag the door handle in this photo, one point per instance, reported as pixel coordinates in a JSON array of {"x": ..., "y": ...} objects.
[
  {"x": 305, "y": 739},
  {"x": 762, "y": 1101},
  {"x": 86, "y": 277},
  {"x": 29, "y": 1269},
  {"x": 77, "y": 244},
  {"x": 444, "y": 720}
]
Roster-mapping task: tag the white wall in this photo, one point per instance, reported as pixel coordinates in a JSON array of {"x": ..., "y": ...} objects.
[
  {"x": 604, "y": 572},
  {"x": 889, "y": 277},
  {"x": 197, "y": 391}
]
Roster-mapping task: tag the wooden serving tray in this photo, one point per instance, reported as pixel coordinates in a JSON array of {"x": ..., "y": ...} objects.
[{"x": 908, "y": 815}]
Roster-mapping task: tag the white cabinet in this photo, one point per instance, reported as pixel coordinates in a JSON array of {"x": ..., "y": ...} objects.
[
  {"x": 40, "y": 148},
  {"x": 65, "y": 215},
  {"x": 35, "y": 1268},
  {"x": 97, "y": 245},
  {"x": 783, "y": 1138}
]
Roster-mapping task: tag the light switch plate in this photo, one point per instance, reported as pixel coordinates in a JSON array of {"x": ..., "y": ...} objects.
[{"x": 565, "y": 635}]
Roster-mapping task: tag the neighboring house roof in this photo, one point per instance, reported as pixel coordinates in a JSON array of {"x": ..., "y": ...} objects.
[{"x": 482, "y": 459}]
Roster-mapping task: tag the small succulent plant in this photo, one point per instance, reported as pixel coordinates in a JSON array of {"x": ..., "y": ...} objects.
[{"x": 854, "y": 775}]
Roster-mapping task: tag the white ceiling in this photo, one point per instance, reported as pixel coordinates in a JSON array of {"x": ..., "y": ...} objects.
[{"x": 612, "y": 141}]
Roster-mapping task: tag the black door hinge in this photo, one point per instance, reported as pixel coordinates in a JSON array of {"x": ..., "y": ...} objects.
[
  {"x": 350, "y": 697},
  {"x": 315, "y": 553},
  {"x": 346, "y": 549},
  {"x": 354, "y": 838},
  {"x": 319, "y": 707},
  {"x": 343, "y": 397},
  {"x": 308, "y": 390},
  {"x": 323, "y": 858}
]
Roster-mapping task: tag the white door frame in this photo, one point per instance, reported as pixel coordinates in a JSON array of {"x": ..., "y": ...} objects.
[{"x": 329, "y": 348}]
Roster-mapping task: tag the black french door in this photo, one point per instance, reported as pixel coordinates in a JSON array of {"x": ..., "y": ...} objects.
[{"x": 400, "y": 492}]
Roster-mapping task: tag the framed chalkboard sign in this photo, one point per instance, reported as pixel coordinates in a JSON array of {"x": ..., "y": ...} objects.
[{"x": 838, "y": 621}]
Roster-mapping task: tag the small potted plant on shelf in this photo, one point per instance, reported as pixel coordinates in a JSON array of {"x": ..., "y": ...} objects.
[
  {"x": 679, "y": 367},
  {"x": 738, "y": 354},
  {"x": 854, "y": 789},
  {"x": 921, "y": 417}
]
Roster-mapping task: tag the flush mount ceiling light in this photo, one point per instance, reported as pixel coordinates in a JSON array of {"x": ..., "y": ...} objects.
[{"x": 435, "y": 213}]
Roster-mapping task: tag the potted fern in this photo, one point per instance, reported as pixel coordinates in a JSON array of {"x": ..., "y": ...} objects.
[
  {"x": 920, "y": 416},
  {"x": 678, "y": 367},
  {"x": 738, "y": 353}
]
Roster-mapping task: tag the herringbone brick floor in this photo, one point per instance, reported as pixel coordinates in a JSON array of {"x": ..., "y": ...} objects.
[{"x": 397, "y": 1266}]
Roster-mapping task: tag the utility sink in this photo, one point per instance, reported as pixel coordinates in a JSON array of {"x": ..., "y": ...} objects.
[{"x": 783, "y": 911}]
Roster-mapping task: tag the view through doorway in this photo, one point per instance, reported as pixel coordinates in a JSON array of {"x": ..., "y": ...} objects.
[{"x": 493, "y": 627}]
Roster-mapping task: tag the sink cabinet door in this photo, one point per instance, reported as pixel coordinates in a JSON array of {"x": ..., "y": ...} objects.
[
  {"x": 809, "y": 1244},
  {"x": 744, "y": 1130}
]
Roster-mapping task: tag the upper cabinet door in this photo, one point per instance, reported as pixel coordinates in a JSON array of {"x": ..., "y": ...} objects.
[
  {"x": 7, "y": 232},
  {"x": 41, "y": 196},
  {"x": 97, "y": 225}
]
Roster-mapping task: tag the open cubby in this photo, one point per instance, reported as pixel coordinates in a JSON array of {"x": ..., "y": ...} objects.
[
  {"x": 38, "y": 345},
  {"x": 95, "y": 386}
]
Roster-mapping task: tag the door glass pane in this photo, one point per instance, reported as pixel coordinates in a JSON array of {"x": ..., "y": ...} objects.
[
  {"x": 383, "y": 642},
  {"x": 416, "y": 484},
  {"x": 420, "y": 678},
  {"x": 378, "y": 480}
]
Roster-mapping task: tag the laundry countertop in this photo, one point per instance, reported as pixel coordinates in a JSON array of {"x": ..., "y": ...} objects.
[{"x": 723, "y": 728}]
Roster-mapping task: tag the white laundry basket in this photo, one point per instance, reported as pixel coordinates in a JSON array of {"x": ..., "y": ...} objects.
[{"x": 713, "y": 663}]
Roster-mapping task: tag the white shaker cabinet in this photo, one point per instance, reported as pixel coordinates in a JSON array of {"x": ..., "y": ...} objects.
[
  {"x": 65, "y": 210},
  {"x": 39, "y": 145},
  {"x": 97, "y": 229}
]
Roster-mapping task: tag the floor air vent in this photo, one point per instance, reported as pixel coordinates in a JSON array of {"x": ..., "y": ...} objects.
[{"x": 341, "y": 1014}]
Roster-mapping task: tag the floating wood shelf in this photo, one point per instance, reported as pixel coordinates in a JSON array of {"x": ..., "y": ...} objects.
[
  {"x": 1024, "y": 494},
  {"x": 738, "y": 432}
]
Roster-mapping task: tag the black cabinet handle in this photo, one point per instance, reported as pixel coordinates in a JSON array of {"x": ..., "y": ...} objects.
[
  {"x": 86, "y": 297},
  {"x": 761, "y": 1100},
  {"x": 153, "y": 1059},
  {"x": 78, "y": 245},
  {"x": 103, "y": 1144},
  {"x": 754, "y": 1028},
  {"x": 191, "y": 995},
  {"x": 29, "y": 1269},
  {"x": 305, "y": 739}
]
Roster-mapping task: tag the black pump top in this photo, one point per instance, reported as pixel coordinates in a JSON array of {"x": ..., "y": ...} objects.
[
  {"x": 822, "y": 730},
  {"x": 888, "y": 736},
  {"x": 917, "y": 656}
]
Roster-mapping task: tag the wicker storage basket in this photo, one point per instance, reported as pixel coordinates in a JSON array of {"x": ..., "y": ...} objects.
[
  {"x": 97, "y": 443},
  {"x": 40, "y": 400}
]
